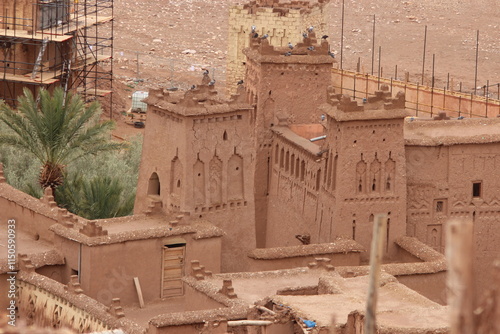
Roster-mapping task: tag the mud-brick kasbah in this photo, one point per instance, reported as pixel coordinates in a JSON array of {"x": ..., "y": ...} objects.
[{"x": 254, "y": 213}]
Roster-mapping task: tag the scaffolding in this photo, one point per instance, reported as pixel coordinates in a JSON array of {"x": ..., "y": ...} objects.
[{"x": 49, "y": 43}]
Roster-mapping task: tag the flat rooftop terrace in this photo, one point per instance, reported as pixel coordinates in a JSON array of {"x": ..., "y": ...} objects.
[{"x": 426, "y": 132}]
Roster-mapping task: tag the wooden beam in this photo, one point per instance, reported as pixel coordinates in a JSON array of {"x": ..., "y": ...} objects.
[
  {"x": 379, "y": 235},
  {"x": 460, "y": 283},
  {"x": 236, "y": 323},
  {"x": 139, "y": 291},
  {"x": 265, "y": 309}
]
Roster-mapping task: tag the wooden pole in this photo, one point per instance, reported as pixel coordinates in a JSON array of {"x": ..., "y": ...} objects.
[
  {"x": 379, "y": 235},
  {"x": 342, "y": 39},
  {"x": 460, "y": 282},
  {"x": 137, "y": 58},
  {"x": 265, "y": 309},
  {"x": 237, "y": 323},
  {"x": 379, "y": 74},
  {"x": 496, "y": 296},
  {"x": 475, "y": 70},
  {"x": 373, "y": 43},
  {"x": 423, "y": 56}
]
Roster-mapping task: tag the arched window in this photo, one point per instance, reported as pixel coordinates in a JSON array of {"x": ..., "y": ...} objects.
[{"x": 154, "y": 185}]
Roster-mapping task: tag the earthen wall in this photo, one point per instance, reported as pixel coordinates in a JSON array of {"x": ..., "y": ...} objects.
[
  {"x": 30, "y": 220},
  {"x": 208, "y": 174},
  {"x": 295, "y": 203},
  {"x": 273, "y": 82},
  {"x": 340, "y": 259},
  {"x": 370, "y": 177},
  {"x": 164, "y": 150},
  {"x": 106, "y": 274},
  {"x": 432, "y": 286},
  {"x": 17, "y": 12},
  {"x": 441, "y": 186}
]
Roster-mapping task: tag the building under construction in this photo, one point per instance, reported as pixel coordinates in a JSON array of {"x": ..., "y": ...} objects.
[{"x": 47, "y": 43}]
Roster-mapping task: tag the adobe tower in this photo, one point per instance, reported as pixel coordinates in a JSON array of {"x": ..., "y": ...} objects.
[
  {"x": 274, "y": 78},
  {"x": 283, "y": 21},
  {"x": 197, "y": 161}
]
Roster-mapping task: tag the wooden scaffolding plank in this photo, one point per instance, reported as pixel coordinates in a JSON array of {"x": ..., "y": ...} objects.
[
  {"x": 91, "y": 60},
  {"x": 75, "y": 25},
  {"x": 33, "y": 36},
  {"x": 47, "y": 79},
  {"x": 95, "y": 92}
]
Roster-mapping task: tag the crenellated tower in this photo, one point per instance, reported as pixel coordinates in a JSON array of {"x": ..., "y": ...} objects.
[
  {"x": 286, "y": 86},
  {"x": 366, "y": 165},
  {"x": 283, "y": 21},
  {"x": 197, "y": 161}
]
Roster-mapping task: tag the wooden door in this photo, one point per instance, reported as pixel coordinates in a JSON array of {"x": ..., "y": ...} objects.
[{"x": 172, "y": 272}]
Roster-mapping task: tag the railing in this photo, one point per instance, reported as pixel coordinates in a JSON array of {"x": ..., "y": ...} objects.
[{"x": 421, "y": 100}]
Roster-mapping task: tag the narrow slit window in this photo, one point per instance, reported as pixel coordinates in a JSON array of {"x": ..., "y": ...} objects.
[{"x": 476, "y": 189}]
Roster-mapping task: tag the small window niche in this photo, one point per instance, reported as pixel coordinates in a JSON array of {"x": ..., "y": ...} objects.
[
  {"x": 439, "y": 206},
  {"x": 477, "y": 189}
]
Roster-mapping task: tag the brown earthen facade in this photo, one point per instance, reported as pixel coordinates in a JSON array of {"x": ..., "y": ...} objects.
[{"x": 272, "y": 192}]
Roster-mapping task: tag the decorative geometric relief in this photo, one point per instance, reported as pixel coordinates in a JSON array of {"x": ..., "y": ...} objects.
[
  {"x": 235, "y": 178},
  {"x": 390, "y": 174},
  {"x": 328, "y": 174},
  {"x": 176, "y": 181},
  {"x": 199, "y": 182},
  {"x": 287, "y": 161},
  {"x": 333, "y": 173},
  {"x": 434, "y": 233},
  {"x": 297, "y": 167},
  {"x": 302, "y": 170},
  {"x": 215, "y": 186},
  {"x": 375, "y": 175},
  {"x": 361, "y": 176},
  {"x": 282, "y": 158},
  {"x": 318, "y": 180}
]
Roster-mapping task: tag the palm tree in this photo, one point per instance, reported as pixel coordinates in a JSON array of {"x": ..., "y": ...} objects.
[
  {"x": 98, "y": 198},
  {"x": 56, "y": 130}
]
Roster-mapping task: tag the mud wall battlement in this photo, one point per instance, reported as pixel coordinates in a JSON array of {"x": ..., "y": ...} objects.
[{"x": 284, "y": 23}]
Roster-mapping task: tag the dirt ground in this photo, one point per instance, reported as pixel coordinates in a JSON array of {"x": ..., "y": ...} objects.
[{"x": 167, "y": 42}]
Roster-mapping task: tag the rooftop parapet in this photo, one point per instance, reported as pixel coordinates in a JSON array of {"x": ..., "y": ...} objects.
[
  {"x": 343, "y": 107},
  {"x": 309, "y": 46},
  {"x": 199, "y": 100},
  {"x": 283, "y": 7}
]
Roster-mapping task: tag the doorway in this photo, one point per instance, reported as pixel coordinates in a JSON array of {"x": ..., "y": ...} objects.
[{"x": 172, "y": 270}]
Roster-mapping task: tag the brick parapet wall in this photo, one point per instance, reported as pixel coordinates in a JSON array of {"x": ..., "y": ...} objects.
[{"x": 283, "y": 23}]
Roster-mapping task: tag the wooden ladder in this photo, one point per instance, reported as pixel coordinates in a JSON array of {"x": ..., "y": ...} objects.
[{"x": 36, "y": 68}]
